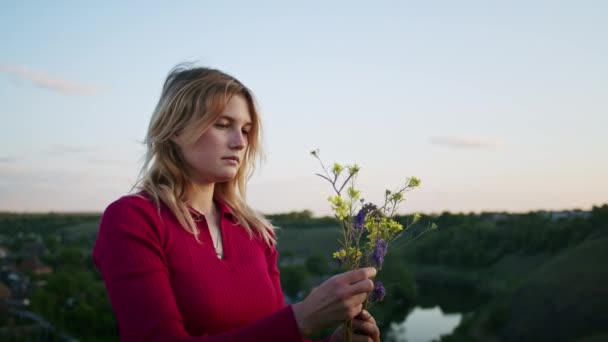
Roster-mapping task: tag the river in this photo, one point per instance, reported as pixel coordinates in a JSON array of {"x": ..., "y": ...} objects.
[
  {"x": 423, "y": 325},
  {"x": 438, "y": 311}
]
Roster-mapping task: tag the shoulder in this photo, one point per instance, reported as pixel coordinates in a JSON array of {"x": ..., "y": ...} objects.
[
  {"x": 132, "y": 205},
  {"x": 133, "y": 212},
  {"x": 130, "y": 227}
]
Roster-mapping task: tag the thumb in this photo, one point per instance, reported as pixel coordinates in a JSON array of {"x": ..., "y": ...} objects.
[{"x": 364, "y": 315}]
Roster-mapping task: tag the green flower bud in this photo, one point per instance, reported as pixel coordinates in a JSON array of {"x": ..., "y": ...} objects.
[
  {"x": 353, "y": 194},
  {"x": 354, "y": 169},
  {"x": 397, "y": 197},
  {"x": 337, "y": 170},
  {"x": 414, "y": 182}
]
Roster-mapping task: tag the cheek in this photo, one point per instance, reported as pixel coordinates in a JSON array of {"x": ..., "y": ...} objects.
[
  {"x": 211, "y": 142},
  {"x": 199, "y": 155}
]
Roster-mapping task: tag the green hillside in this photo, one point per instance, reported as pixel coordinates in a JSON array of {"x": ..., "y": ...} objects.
[{"x": 565, "y": 299}]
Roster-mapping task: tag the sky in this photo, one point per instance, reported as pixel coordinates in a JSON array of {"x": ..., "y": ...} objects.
[{"x": 496, "y": 106}]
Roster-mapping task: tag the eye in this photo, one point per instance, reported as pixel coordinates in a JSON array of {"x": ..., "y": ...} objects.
[
  {"x": 222, "y": 125},
  {"x": 245, "y": 131}
]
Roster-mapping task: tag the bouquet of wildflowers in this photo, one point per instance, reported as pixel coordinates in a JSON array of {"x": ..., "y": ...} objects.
[{"x": 367, "y": 229}]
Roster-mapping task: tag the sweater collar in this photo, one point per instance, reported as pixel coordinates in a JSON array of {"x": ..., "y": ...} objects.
[{"x": 224, "y": 209}]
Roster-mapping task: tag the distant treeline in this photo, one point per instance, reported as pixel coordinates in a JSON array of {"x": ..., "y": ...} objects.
[
  {"x": 305, "y": 219},
  {"x": 14, "y": 223},
  {"x": 478, "y": 240}
]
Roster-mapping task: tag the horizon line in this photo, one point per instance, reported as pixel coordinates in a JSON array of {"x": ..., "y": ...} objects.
[{"x": 475, "y": 212}]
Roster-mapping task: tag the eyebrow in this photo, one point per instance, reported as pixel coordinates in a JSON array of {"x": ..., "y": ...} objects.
[{"x": 248, "y": 123}]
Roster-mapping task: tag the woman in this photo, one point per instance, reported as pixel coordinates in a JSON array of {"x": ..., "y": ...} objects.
[{"x": 185, "y": 258}]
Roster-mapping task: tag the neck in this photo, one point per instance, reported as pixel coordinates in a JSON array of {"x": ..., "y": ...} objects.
[{"x": 200, "y": 197}]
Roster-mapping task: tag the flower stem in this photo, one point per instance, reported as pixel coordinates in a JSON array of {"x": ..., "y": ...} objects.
[{"x": 348, "y": 330}]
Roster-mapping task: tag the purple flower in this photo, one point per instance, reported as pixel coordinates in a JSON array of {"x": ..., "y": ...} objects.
[
  {"x": 366, "y": 210},
  {"x": 360, "y": 219},
  {"x": 377, "y": 257},
  {"x": 378, "y": 293}
]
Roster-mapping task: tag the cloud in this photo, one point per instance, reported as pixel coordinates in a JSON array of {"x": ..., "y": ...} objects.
[
  {"x": 87, "y": 155},
  {"x": 58, "y": 175},
  {"x": 43, "y": 80},
  {"x": 110, "y": 161},
  {"x": 64, "y": 150},
  {"x": 7, "y": 159},
  {"x": 464, "y": 142}
]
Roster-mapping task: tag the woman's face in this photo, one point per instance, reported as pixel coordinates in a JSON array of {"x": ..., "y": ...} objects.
[{"x": 218, "y": 153}]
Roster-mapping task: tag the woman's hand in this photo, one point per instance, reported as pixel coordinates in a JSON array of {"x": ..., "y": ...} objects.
[
  {"x": 364, "y": 329},
  {"x": 338, "y": 299}
]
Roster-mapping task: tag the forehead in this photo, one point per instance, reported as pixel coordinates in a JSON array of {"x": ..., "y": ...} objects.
[{"x": 237, "y": 109}]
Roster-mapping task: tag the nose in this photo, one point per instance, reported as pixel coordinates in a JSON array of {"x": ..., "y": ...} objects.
[{"x": 237, "y": 140}]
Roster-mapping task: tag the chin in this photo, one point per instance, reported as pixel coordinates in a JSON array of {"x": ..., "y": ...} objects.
[{"x": 225, "y": 177}]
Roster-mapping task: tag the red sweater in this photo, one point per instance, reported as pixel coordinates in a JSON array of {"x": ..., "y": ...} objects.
[{"x": 164, "y": 286}]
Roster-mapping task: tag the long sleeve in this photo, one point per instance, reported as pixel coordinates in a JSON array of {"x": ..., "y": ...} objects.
[
  {"x": 273, "y": 271},
  {"x": 275, "y": 275},
  {"x": 130, "y": 256}
]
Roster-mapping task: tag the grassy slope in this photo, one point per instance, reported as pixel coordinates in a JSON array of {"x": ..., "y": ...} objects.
[
  {"x": 564, "y": 299},
  {"x": 308, "y": 241}
]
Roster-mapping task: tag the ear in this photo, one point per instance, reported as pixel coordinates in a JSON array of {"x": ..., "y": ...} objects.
[{"x": 177, "y": 138}]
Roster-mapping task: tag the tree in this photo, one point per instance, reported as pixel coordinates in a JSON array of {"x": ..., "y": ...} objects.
[
  {"x": 294, "y": 279},
  {"x": 317, "y": 265}
]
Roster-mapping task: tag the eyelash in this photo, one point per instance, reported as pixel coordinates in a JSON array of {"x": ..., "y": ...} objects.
[{"x": 245, "y": 132}]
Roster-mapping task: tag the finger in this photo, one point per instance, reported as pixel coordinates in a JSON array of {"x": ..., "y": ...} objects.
[
  {"x": 353, "y": 310},
  {"x": 369, "y": 318},
  {"x": 363, "y": 326},
  {"x": 366, "y": 328},
  {"x": 357, "y": 300},
  {"x": 363, "y": 286},
  {"x": 362, "y": 338},
  {"x": 355, "y": 276}
]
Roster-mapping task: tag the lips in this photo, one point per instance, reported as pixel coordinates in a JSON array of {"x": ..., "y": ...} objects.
[{"x": 235, "y": 158}]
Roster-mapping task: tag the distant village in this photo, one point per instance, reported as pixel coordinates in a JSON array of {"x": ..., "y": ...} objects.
[{"x": 21, "y": 274}]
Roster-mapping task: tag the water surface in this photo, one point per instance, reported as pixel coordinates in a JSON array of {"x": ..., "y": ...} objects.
[{"x": 423, "y": 325}]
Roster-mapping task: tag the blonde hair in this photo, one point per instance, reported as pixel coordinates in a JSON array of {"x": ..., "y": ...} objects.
[{"x": 192, "y": 99}]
